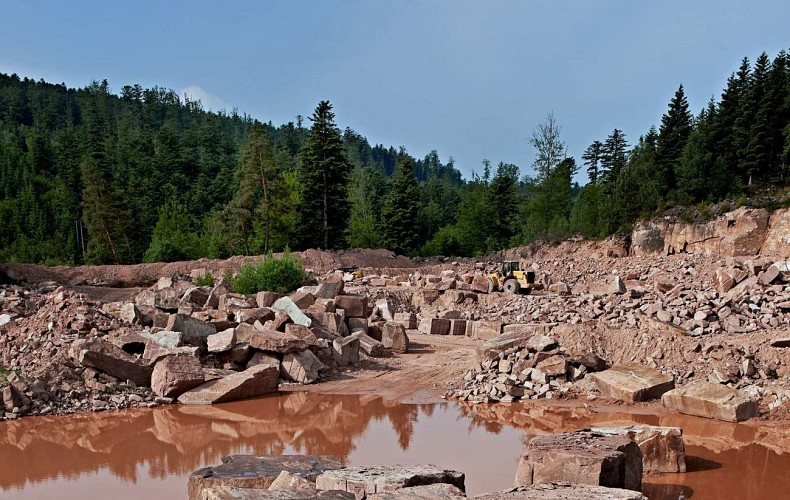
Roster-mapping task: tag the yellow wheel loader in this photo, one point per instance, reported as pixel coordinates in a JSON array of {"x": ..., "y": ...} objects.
[{"x": 511, "y": 279}]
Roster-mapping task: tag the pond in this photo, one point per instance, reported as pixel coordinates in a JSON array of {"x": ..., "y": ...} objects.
[{"x": 150, "y": 453}]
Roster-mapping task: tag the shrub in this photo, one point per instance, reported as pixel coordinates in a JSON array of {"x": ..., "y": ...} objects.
[
  {"x": 205, "y": 280},
  {"x": 281, "y": 275}
]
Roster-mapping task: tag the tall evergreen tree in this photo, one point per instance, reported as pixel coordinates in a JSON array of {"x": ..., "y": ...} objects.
[
  {"x": 672, "y": 137},
  {"x": 325, "y": 173},
  {"x": 401, "y": 210},
  {"x": 613, "y": 157},
  {"x": 258, "y": 181},
  {"x": 504, "y": 202},
  {"x": 592, "y": 158}
]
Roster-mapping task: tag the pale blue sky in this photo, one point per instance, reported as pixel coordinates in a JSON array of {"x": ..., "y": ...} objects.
[{"x": 470, "y": 79}]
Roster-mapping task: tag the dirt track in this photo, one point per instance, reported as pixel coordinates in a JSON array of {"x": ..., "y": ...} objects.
[{"x": 420, "y": 376}]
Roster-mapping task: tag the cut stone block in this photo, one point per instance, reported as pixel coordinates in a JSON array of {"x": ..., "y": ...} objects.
[
  {"x": 662, "y": 448},
  {"x": 717, "y": 401},
  {"x": 632, "y": 383},
  {"x": 582, "y": 457},
  {"x": 255, "y": 381}
]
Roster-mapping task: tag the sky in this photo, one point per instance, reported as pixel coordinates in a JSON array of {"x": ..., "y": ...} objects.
[{"x": 470, "y": 79}]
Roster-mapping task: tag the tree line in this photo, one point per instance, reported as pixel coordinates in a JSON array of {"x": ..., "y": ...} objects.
[{"x": 89, "y": 176}]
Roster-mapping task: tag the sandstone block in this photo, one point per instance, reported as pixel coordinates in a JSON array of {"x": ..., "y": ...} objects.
[
  {"x": 346, "y": 350},
  {"x": 371, "y": 346},
  {"x": 632, "y": 383},
  {"x": 222, "y": 341},
  {"x": 114, "y": 361},
  {"x": 662, "y": 448},
  {"x": 301, "y": 367},
  {"x": 356, "y": 306},
  {"x": 435, "y": 326},
  {"x": 274, "y": 341},
  {"x": 194, "y": 332},
  {"x": 286, "y": 305},
  {"x": 563, "y": 491},
  {"x": 394, "y": 337},
  {"x": 408, "y": 320},
  {"x": 582, "y": 457},
  {"x": 248, "y": 471},
  {"x": 370, "y": 480},
  {"x": 255, "y": 381},
  {"x": 176, "y": 374},
  {"x": 716, "y": 401}
]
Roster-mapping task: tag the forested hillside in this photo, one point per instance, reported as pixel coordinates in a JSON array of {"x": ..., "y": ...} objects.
[{"x": 97, "y": 177}]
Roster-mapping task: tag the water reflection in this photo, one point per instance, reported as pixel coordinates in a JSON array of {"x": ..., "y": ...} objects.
[{"x": 104, "y": 454}]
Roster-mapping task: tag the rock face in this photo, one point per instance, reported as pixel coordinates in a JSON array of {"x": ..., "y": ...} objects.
[
  {"x": 705, "y": 399},
  {"x": 777, "y": 241},
  {"x": 248, "y": 471},
  {"x": 633, "y": 383},
  {"x": 255, "y": 381},
  {"x": 301, "y": 367},
  {"x": 394, "y": 337},
  {"x": 112, "y": 360},
  {"x": 438, "y": 491},
  {"x": 741, "y": 232},
  {"x": 564, "y": 491},
  {"x": 174, "y": 375},
  {"x": 662, "y": 448},
  {"x": 364, "y": 481},
  {"x": 582, "y": 457}
]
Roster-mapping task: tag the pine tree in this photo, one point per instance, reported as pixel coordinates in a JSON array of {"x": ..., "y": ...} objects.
[
  {"x": 672, "y": 137},
  {"x": 325, "y": 172},
  {"x": 364, "y": 193},
  {"x": 105, "y": 219},
  {"x": 592, "y": 158},
  {"x": 757, "y": 154},
  {"x": 613, "y": 157},
  {"x": 504, "y": 201},
  {"x": 401, "y": 210},
  {"x": 258, "y": 181}
]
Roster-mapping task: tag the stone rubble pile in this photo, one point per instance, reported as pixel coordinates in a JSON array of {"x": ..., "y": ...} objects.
[
  {"x": 64, "y": 352},
  {"x": 523, "y": 365}
]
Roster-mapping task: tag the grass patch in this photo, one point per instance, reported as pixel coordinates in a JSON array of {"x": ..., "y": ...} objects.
[
  {"x": 205, "y": 280},
  {"x": 272, "y": 274},
  {"x": 3, "y": 374}
]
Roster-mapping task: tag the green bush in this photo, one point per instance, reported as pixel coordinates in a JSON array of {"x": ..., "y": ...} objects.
[
  {"x": 3, "y": 374},
  {"x": 205, "y": 280},
  {"x": 281, "y": 275}
]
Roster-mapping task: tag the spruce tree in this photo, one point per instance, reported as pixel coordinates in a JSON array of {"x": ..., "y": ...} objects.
[
  {"x": 401, "y": 210},
  {"x": 325, "y": 172},
  {"x": 757, "y": 154},
  {"x": 258, "y": 181},
  {"x": 592, "y": 158},
  {"x": 613, "y": 157},
  {"x": 504, "y": 202},
  {"x": 672, "y": 137}
]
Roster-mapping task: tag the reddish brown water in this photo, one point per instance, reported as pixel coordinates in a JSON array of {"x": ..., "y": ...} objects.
[{"x": 150, "y": 453}]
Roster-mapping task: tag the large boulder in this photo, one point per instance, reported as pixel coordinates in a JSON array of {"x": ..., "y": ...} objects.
[
  {"x": 222, "y": 341},
  {"x": 563, "y": 491},
  {"x": 248, "y": 471},
  {"x": 274, "y": 341},
  {"x": 194, "y": 332},
  {"x": 632, "y": 383},
  {"x": 705, "y": 399},
  {"x": 582, "y": 457},
  {"x": 394, "y": 337},
  {"x": 286, "y": 305},
  {"x": 112, "y": 360},
  {"x": 329, "y": 289},
  {"x": 255, "y": 381},
  {"x": 370, "y": 480},
  {"x": 355, "y": 306},
  {"x": 302, "y": 367},
  {"x": 662, "y": 448},
  {"x": 175, "y": 375},
  {"x": 345, "y": 350}
]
